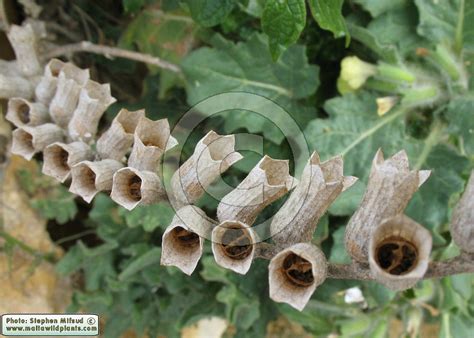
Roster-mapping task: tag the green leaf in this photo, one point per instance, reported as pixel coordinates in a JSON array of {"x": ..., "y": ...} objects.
[
  {"x": 240, "y": 310},
  {"x": 397, "y": 29},
  {"x": 454, "y": 325},
  {"x": 283, "y": 21},
  {"x": 379, "y": 293},
  {"x": 338, "y": 251},
  {"x": 356, "y": 326},
  {"x": 58, "y": 205},
  {"x": 149, "y": 258},
  {"x": 212, "y": 272},
  {"x": 209, "y": 13},
  {"x": 149, "y": 217},
  {"x": 248, "y": 66},
  {"x": 447, "y": 22},
  {"x": 133, "y": 6},
  {"x": 167, "y": 35},
  {"x": 355, "y": 131},
  {"x": 348, "y": 202},
  {"x": 327, "y": 14},
  {"x": 317, "y": 323},
  {"x": 71, "y": 262},
  {"x": 461, "y": 121},
  {"x": 386, "y": 53},
  {"x": 377, "y": 7},
  {"x": 430, "y": 205}
]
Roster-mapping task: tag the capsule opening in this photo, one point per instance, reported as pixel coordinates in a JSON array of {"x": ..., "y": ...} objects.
[
  {"x": 236, "y": 243},
  {"x": 185, "y": 237},
  {"x": 134, "y": 188},
  {"x": 396, "y": 255},
  {"x": 23, "y": 111},
  {"x": 298, "y": 270},
  {"x": 88, "y": 178}
]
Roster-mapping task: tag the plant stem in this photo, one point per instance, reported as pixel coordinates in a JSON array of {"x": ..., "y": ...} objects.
[
  {"x": 431, "y": 141},
  {"x": 25, "y": 247},
  {"x": 458, "y": 43},
  {"x": 464, "y": 263},
  {"x": 107, "y": 51}
]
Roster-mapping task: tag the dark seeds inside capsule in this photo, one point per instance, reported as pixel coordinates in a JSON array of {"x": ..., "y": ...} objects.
[
  {"x": 298, "y": 270},
  {"x": 186, "y": 237},
  {"x": 89, "y": 178},
  {"x": 134, "y": 188},
  {"x": 396, "y": 255},
  {"x": 24, "y": 113},
  {"x": 28, "y": 140},
  {"x": 62, "y": 159},
  {"x": 237, "y": 243}
]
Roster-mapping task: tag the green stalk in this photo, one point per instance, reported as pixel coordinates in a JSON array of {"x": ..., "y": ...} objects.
[
  {"x": 420, "y": 96},
  {"x": 382, "y": 86},
  {"x": 444, "y": 59},
  {"x": 431, "y": 141},
  {"x": 458, "y": 42},
  {"x": 25, "y": 247},
  {"x": 395, "y": 74}
]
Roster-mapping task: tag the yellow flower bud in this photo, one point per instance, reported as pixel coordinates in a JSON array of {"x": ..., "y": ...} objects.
[{"x": 354, "y": 71}]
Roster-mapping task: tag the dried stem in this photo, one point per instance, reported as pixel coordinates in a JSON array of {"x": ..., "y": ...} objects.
[
  {"x": 464, "y": 263},
  {"x": 107, "y": 51}
]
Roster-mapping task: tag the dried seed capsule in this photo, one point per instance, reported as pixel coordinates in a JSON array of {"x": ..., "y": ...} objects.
[
  {"x": 132, "y": 187},
  {"x": 212, "y": 156},
  {"x": 24, "y": 41},
  {"x": 294, "y": 274},
  {"x": 15, "y": 86},
  {"x": 60, "y": 157},
  {"x": 117, "y": 140},
  {"x": 94, "y": 99},
  {"x": 181, "y": 243},
  {"x": 389, "y": 189},
  {"x": 46, "y": 88},
  {"x": 233, "y": 246},
  {"x": 21, "y": 112},
  {"x": 89, "y": 178},
  {"x": 399, "y": 252},
  {"x": 266, "y": 182},
  {"x": 71, "y": 79},
  {"x": 27, "y": 140},
  {"x": 151, "y": 140},
  {"x": 462, "y": 224},
  {"x": 9, "y": 68},
  {"x": 319, "y": 186}
]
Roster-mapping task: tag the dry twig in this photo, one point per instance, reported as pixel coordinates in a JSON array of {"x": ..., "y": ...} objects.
[{"x": 110, "y": 52}]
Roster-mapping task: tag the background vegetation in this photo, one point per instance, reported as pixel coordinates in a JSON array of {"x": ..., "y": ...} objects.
[{"x": 289, "y": 51}]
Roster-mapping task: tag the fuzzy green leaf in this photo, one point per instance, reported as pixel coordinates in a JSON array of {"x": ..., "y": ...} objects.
[
  {"x": 447, "y": 21},
  {"x": 283, "y": 21},
  {"x": 377, "y": 7},
  {"x": 209, "y": 13},
  {"x": 149, "y": 217},
  {"x": 461, "y": 121},
  {"x": 248, "y": 66},
  {"x": 240, "y": 309},
  {"x": 355, "y": 131},
  {"x": 166, "y": 35},
  {"x": 327, "y": 14},
  {"x": 430, "y": 205},
  {"x": 386, "y": 53},
  {"x": 58, "y": 205},
  {"x": 397, "y": 28},
  {"x": 149, "y": 258}
]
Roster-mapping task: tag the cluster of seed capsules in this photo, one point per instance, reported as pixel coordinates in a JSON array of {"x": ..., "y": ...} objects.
[{"x": 60, "y": 116}]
